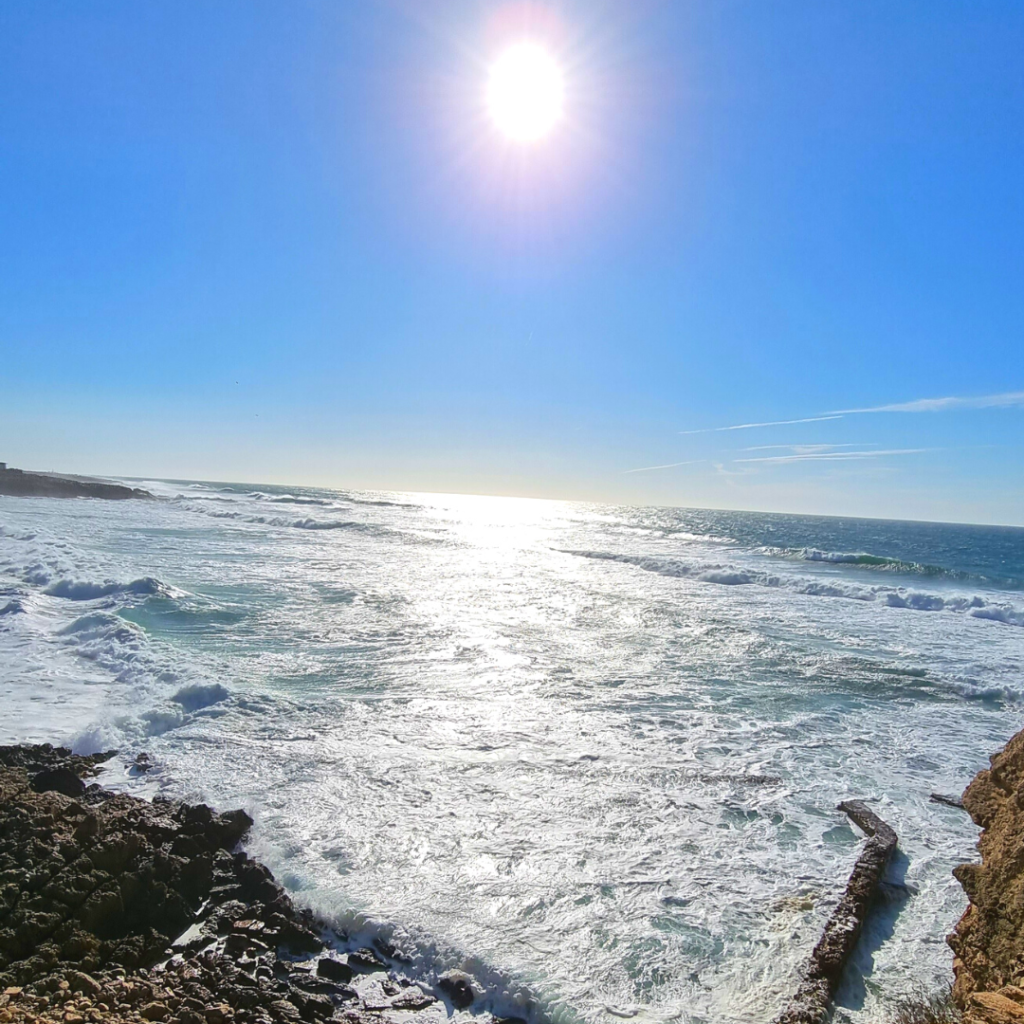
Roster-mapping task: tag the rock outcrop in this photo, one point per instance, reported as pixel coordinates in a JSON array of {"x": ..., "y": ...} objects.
[
  {"x": 813, "y": 1000},
  {"x": 20, "y": 484},
  {"x": 988, "y": 942},
  {"x": 113, "y": 909}
]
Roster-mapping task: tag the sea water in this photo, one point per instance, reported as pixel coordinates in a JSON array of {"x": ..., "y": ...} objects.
[{"x": 591, "y": 754}]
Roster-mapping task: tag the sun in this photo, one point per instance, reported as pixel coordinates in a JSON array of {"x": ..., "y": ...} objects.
[{"x": 525, "y": 92}]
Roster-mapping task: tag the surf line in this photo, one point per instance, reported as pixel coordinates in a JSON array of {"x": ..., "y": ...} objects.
[{"x": 824, "y": 969}]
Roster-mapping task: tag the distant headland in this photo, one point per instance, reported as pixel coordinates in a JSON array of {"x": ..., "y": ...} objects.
[{"x": 22, "y": 484}]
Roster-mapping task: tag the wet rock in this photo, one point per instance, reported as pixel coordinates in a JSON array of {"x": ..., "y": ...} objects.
[
  {"x": 366, "y": 960},
  {"x": 58, "y": 780},
  {"x": 458, "y": 987},
  {"x": 412, "y": 998},
  {"x": 334, "y": 970},
  {"x": 812, "y": 1002},
  {"x": 113, "y": 907},
  {"x": 301, "y": 939}
]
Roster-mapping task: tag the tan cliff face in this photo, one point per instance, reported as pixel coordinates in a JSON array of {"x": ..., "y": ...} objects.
[{"x": 988, "y": 942}]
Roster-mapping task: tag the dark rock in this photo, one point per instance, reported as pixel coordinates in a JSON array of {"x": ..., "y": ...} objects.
[
  {"x": 413, "y": 998},
  {"x": 22, "y": 484},
  {"x": 312, "y": 1006},
  {"x": 458, "y": 987},
  {"x": 300, "y": 939},
  {"x": 391, "y": 951},
  {"x": 824, "y": 969},
  {"x": 366, "y": 960},
  {"x": 58, "y": 780},
  {"x": 284, "y": 1010},
  {"x": 333, "y": 970},
  {"x": 104, "y": 887}
]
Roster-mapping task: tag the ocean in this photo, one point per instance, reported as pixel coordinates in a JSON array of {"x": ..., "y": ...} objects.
[{"x": 591, "y": 754}]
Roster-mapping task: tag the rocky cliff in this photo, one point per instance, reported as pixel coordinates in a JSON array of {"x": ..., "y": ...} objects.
[{"x": 989, "y": 939}]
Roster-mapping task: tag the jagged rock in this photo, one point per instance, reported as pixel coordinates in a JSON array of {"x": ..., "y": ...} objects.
[
  {"x": 412, "y": 998},
  {"x": 994, "y": 1008},
  {"x": 366, "y": 960},
  {"x": 988, "y": 942},
  {"x": 138, "y": 911}
]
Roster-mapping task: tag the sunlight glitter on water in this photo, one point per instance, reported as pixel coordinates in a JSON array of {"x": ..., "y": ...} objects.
[{"x": 519, "y": 735}]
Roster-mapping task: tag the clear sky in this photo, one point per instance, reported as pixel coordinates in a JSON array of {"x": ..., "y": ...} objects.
[{"x": 287, "y": 242}]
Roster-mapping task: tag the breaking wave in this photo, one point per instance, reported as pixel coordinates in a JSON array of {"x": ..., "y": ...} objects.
[
  {"x": 289, "y": 499},
  {"x": 196, "y": 696},
  {"x": 85, "y": 590},
  {"x": 282, "y": 522},
  {"x": 886, "y": 563},
  {"x": 893, "y": 597}
]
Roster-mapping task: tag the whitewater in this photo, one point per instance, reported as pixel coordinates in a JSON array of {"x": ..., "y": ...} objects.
[{"x": 591, "y": 754}]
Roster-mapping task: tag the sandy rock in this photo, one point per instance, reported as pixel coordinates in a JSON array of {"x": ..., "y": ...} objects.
[
  {"x": 988, "y": 942},
  {"x": 993, "y": 1008}
]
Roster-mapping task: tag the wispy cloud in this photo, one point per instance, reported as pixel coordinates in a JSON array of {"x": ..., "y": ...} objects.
[
  {"x": 668, "y": 465},
  {"x": 951, "y": 403},
  {"x": 773, "y": 423},
  {"x": 801, "y": 449},
  {"x": 836, "y": 456},
  {"x": 1001, "y": 401}
]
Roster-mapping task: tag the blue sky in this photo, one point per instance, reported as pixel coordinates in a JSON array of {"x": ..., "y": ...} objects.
[{"x": 284, "y": 242}]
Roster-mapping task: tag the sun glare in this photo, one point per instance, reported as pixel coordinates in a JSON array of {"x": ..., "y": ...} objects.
[{"x": 525, "y": 92}]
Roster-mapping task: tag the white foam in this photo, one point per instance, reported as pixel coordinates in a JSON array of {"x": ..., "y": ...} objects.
[{"x": 532, "y": 767}]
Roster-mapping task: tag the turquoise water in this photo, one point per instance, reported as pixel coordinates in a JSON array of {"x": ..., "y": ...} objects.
[{"x": 590, "y": 753}]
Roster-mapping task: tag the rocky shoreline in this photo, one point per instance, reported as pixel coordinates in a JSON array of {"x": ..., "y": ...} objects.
[
  {"x": 116, "y": 909},
  {"x": 19, "y": 483},
  {"x": 988, "y": 943}
]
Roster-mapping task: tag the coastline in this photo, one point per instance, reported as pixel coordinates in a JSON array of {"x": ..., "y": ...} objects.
[
  {"x": 988, "y": 942},
  {"x": 20, "y": 483},
  {"x": 116, "y": 909}
]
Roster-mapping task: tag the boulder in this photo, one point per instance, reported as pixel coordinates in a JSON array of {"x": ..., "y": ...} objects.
[{"x": 58, "y": 780}]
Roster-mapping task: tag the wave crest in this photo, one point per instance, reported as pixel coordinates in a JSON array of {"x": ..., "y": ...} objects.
[
  {"x": 893, "y": 597},
  {"x": 86, "y": 590}
]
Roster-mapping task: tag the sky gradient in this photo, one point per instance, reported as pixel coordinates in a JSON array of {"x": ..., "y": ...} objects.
[{"x": 772, "y": 258}]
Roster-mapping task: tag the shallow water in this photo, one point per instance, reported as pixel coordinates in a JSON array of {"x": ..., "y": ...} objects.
[{"x": 590, "y": 753}]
